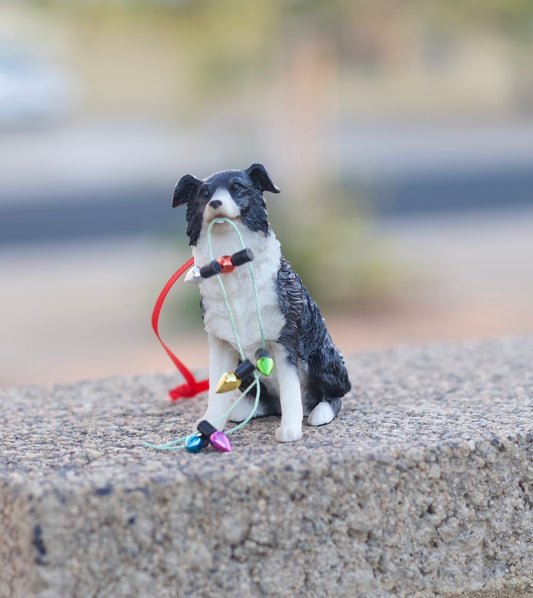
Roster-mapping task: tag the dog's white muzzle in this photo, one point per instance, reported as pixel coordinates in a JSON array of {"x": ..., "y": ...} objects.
[{"x": 221, "y": 205}]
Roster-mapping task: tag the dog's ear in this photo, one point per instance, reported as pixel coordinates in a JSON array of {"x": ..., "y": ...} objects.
[
  {"x": 261, "y": 179},
  {"x": 186, "y": 188}
]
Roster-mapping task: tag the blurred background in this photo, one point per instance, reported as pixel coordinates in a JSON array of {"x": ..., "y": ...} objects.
[{"x": 400, "y": 133}]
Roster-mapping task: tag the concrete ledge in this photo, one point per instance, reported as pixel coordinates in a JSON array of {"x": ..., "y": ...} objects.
[{"x": 422, "y": 487}]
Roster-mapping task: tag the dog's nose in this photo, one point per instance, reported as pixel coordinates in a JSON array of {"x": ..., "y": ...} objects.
[{"x": 215, "y": 203}]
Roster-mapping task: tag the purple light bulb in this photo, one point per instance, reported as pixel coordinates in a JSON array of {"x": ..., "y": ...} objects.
[{"x": 218, "y": 440}]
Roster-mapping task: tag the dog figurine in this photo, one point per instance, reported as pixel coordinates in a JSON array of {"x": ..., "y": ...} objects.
[{"x": 310, "y": 377}]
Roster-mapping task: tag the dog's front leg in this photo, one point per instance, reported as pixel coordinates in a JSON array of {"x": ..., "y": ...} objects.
[
  {"x": 222, "y": 358},
  {"x": 290, "y": 396}
]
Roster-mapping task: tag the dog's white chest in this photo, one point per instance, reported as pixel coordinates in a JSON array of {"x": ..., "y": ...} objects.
[{"x": 241, "y": 297}]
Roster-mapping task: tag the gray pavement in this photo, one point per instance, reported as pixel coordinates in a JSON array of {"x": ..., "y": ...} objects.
[{"x": 421, "y": 487}]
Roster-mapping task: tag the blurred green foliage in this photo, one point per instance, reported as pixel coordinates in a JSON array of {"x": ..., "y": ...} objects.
[
  {"x": 206, "y": 50},
  {"x": 335, "y": 249}
]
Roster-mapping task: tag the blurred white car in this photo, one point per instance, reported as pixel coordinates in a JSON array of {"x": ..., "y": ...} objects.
[{"x": 32, "y": 90}]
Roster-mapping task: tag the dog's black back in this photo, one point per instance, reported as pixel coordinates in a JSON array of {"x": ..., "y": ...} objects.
[{"x": 307, "y": 339}]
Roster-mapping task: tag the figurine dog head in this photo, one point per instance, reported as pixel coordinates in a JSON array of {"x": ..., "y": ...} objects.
[{"x": 229, "y": 194}]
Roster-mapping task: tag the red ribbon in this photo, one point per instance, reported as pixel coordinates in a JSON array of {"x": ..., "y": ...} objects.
[{"x": 192, "y": 387}]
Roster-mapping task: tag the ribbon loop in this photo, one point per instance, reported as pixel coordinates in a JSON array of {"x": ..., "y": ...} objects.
[{"x": 192, "y": 387}]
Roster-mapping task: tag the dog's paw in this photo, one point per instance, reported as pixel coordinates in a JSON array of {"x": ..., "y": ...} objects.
[
  {"x": 322, "y": 414},
  {"x": 287, "y": 433}
]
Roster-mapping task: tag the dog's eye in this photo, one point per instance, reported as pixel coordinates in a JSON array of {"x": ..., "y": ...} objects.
[
  {"x": 235, "y": 186},
  {"x": 205, "y": 192}
]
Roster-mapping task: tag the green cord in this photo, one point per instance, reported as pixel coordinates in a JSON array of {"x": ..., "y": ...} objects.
[
  {"x": 176, "y": 445},
  {"x": 179, "y": 444},
  {"x": 252, "y": 277},
  {"x": 253, "y": 411}
]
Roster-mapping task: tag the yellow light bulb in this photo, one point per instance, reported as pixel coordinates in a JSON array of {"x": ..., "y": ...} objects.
[{"x": 228, "y": 381}]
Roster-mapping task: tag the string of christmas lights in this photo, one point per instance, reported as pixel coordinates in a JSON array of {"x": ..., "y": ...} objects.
[{"x": 207, "y": 434}]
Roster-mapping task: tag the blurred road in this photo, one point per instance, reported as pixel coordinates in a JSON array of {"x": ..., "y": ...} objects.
[{"x": 97, "y": 179}]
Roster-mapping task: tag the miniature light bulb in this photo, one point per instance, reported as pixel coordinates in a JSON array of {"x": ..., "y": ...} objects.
[
  {"x": 244, "y": 369},
  {"x": 232, "y": 380},
  {"x": 242, "y": 257},
  {"x": 217, "y": 439},
  {"x": 228, "y": 381},
  {"x": 193, "y": 276},
  {"x": 195, "y": 443},
  {"x": 212, "y": 269},
  {"x": 265, "y": 363},
  {"x": 226, "y": 264}
]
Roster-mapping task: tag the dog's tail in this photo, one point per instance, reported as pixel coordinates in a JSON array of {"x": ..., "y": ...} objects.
[{"x": 327, "y": 373}]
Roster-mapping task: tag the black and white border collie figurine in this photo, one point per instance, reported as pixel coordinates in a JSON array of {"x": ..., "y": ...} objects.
[{"x": 310, "y": 377}]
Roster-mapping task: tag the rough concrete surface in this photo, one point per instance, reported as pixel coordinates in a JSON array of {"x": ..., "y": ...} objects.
[{"x": 423, "y": 486}]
